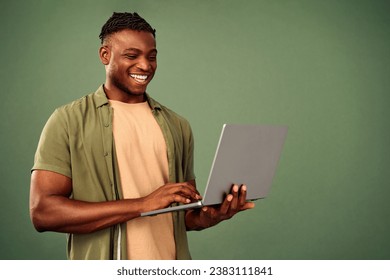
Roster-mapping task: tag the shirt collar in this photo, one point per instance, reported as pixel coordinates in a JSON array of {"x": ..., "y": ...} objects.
[{"x": 101, "y": 99}]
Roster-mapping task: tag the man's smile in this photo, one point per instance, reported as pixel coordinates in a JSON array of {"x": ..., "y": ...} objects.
[{"x": 139, "y": 78}]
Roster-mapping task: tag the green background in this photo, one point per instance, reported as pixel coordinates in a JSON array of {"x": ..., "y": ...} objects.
[{"x": 320, "y": 67}]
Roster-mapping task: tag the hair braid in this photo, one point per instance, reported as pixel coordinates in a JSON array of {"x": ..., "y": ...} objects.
[{"x": 121, "y": 21}]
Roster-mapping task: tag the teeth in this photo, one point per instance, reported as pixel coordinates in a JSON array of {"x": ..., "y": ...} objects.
[{"x": 139, "y": 77}]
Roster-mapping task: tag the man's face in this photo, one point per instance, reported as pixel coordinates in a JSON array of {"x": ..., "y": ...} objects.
[{"x": 131, "y": 61}]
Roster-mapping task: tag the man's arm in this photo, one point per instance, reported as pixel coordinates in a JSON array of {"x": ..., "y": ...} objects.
[
  {"x": 208, "y": 216},
  {"x": 52, "y": 209}
]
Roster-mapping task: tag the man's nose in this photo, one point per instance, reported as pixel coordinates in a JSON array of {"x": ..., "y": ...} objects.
[{"x": 144, "y": 64}]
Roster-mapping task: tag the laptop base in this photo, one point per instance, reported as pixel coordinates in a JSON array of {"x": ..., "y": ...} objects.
[{"x": 173, "y": 208}]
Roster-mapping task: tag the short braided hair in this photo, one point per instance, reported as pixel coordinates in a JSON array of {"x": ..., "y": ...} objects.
[{"x": 121, "y": 21}]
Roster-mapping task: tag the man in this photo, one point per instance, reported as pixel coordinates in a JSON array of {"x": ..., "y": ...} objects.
[{"x": 111, "y": 155}]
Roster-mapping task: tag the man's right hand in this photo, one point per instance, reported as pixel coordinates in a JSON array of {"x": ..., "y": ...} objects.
[{"x": 170, "y": 193}]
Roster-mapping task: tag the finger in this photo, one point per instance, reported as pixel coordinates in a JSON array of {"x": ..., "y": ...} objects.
[
  {"x": 195, "y": 194},
  {"x": 185, "y": 184},
  {"x": 242, "y": 199},
  {"x": 226, "y": 204},
  {"x": 205, "y": 211},
  {"x": 234, "y": 202},
  {"x": 205, "y": 217},
  {"x": 248, "y": 205},
  {"x": 180, "y": 199},
  {"x": 208, "y": 212},
  {"x": 185, "y": 190}
]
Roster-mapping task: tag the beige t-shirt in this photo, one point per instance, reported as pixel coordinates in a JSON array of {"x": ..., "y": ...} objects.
[{"x": 143, "y": 167}]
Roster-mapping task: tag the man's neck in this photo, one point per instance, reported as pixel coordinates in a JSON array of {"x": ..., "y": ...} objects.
[{"x": 114, "y": 93}]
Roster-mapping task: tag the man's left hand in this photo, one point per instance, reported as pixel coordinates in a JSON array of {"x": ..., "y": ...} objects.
[{"x": 209, "y": 216}]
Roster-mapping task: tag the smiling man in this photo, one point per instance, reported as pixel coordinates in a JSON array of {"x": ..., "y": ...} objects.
[{"x": 113, "y": 154}]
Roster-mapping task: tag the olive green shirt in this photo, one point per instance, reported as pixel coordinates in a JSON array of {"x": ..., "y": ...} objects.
[{"x": 77, "y": 141}]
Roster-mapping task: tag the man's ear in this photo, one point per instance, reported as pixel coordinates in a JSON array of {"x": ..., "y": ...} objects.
[{"x": 104, "y": 54}]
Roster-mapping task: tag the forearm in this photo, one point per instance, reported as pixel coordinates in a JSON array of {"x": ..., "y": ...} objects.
[{"x": 62, "y": 214}]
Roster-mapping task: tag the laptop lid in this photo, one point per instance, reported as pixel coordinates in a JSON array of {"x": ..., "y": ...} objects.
[{"x": 246, "y": 154}]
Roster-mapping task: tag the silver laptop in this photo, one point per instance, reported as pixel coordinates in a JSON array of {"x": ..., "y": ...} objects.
[{"x": 246, "y": 154}]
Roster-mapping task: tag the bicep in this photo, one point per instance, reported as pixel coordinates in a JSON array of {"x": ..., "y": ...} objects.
[
  {"x": 47, "y": 190},
  {"x": 47, "y": 183}
]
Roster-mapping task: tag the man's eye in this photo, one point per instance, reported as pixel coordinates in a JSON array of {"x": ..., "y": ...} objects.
[
  {"x": 131, "y": 56},
  {"x": 152, "y": 58}
]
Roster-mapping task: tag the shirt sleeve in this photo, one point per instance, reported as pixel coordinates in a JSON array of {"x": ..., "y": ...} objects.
[{"x": 53, "y": 153}]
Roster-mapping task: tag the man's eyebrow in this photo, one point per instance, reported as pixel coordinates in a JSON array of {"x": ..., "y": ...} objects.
[
  {"x": 133, "y": 49},
  {"x": 138, "y": 50}
]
